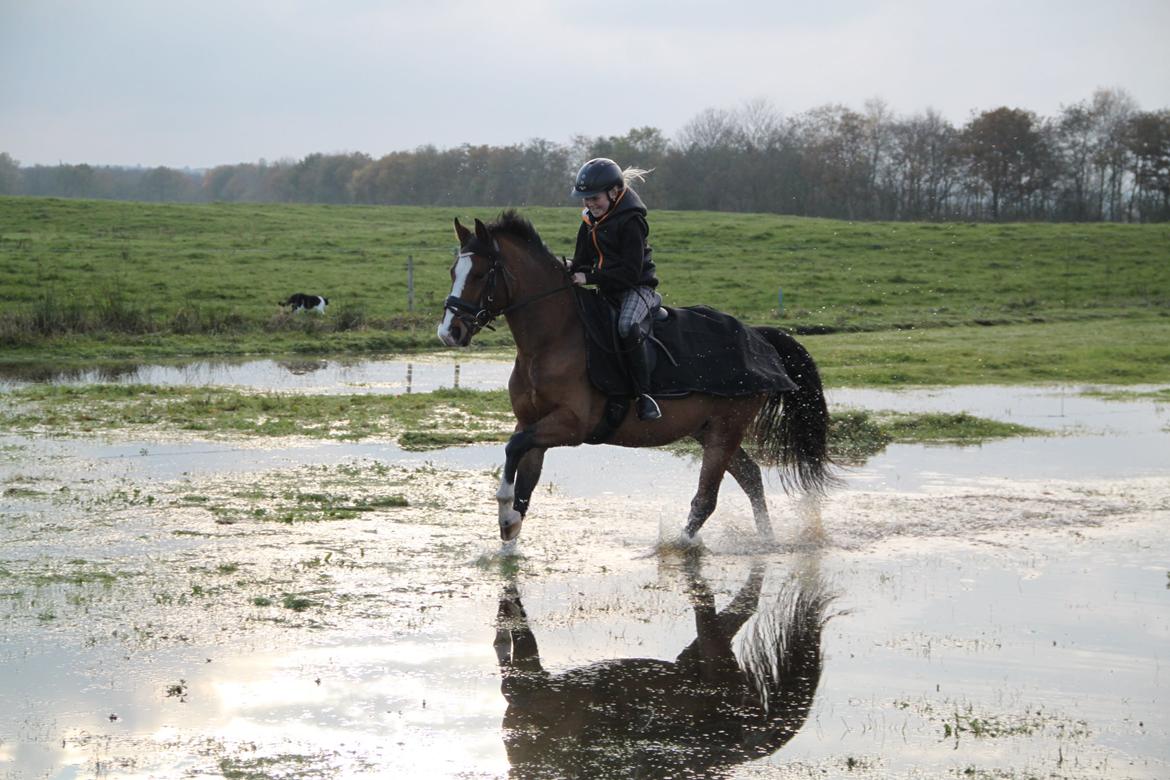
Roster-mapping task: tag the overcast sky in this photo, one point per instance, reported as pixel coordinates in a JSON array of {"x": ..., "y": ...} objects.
[{"x": 205, "y": 82}]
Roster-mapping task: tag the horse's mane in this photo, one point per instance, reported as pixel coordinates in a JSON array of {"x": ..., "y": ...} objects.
[{"x": 510, "y": 223}]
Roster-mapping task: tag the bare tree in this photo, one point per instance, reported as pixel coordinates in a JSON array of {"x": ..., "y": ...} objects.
[
  {"x": 924, "y": 161},
  {"x": 1111, "y": 111},
  {"x": 9, "y": 175},
  {"x": 1148, "y": 140},
  {"x": 1006, "y": 151},
  {"x": 835, "y": 161}
]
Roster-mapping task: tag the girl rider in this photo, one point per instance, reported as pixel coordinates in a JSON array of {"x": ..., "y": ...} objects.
[{"x": 612, "y": 253}]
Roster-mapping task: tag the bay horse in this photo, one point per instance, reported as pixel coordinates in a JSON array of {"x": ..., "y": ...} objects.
[
  {"x": 506, "y": 270},
  {"x": 695, "y": 716}
]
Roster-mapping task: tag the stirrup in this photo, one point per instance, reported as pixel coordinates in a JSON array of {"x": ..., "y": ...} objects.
[{"x": 648, "y": 408}]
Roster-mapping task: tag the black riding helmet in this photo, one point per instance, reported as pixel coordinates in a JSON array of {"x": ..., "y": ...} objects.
[{"x": 596, "y": 177}]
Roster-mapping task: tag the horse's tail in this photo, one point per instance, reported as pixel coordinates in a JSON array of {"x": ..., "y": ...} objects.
[
  {"x": 792, "y": 429},
  {"x": 780, "y": 654}
]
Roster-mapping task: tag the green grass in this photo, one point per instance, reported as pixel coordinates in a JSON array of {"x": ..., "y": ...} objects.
[
  {"x": 465, "y": 414},
  {"x": 1132, "y": 350},
  {"x": 287, "y": 766},
  {"x": 905, "y": 303},
  {"x": 857, "y": 434},
  {"x": 296, "y": 602},
  {"x": 948, "y": 428},
  {"x": 965, "y": 722},
  {"x": 79, "y": 573},
  {"x": 1161, "y": 395}
]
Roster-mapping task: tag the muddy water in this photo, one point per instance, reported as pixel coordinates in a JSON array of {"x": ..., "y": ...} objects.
[{"x": 298, "y": 609}]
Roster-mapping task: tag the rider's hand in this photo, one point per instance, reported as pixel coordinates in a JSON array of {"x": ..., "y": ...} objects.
[{"x": 578, "y": 278}]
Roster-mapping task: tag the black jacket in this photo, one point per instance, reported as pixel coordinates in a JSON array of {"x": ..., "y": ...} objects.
[{"x": 612, "y": 251}]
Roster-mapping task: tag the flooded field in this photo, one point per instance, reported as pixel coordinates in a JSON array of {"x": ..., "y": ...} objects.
[
  {"x": 175, "y": 607},
  {"x": 302, "y": 375}
]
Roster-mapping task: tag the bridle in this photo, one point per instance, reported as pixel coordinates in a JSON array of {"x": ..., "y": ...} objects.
[{"x": 479, "y": 315}]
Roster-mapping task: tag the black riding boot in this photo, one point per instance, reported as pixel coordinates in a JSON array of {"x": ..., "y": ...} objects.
[{"x": 639, "y": 361}]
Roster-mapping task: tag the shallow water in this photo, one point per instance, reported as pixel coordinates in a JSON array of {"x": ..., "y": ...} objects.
[
  {"x": 1091, "y": 438},
  {"x": 188, "y": 608},
  {"x": 316, "y": 376}
]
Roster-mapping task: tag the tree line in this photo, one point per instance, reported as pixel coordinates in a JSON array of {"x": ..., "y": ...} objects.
[{"x": 1102, "y": 159}]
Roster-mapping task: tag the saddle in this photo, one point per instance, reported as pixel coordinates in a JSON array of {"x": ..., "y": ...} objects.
[{"x": 696, "y": 350}]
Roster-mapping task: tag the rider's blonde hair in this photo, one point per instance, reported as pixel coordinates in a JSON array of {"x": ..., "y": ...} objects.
[{"x": 632, "y": 174}]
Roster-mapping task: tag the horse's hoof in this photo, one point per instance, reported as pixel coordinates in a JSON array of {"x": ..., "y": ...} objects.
[
  {"x": 683, "y": 544},
  {"x": 510, "y": 528}
]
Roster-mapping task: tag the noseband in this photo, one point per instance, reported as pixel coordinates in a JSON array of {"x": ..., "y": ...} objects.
[{"x": 477, "y": 316}]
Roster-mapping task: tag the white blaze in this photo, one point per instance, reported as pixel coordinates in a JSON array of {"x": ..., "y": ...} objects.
[{"x": 462, "y": 271}]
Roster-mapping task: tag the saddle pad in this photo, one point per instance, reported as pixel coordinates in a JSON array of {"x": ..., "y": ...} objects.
[{"x": 715, "y": 353}]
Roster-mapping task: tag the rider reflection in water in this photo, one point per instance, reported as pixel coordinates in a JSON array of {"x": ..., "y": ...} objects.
[{"x": 612, "y": 253}]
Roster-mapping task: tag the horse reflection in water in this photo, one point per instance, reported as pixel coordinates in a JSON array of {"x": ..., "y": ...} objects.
[{"x": 642, "y": 717}]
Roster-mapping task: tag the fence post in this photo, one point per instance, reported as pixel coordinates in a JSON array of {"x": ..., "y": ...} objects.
[{"x": 410, "y": 283}]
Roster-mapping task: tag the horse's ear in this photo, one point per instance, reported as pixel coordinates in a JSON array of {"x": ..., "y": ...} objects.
[
  {"x": 462, "y": 233},
  {"x": 481, "y": 232}
]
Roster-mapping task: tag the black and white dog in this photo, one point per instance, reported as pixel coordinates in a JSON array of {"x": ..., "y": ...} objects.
[{"x": 302, "y": 302}]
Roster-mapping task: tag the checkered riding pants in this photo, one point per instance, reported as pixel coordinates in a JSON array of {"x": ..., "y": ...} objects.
[{"x": 638, "y": 303}]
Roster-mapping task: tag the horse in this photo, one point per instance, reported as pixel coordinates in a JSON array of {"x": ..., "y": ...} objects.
[
  {"x": 694, "y": 716},
  {"x": 506, "y": 270}
]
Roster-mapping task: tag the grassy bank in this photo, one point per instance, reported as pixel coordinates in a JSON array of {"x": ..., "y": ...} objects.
[
  {"x": 1133, "y": 350},
  {"x": 877, "y": 303}
]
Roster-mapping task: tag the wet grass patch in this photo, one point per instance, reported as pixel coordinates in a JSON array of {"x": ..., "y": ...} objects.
[
  {"x": 421, "y": 441},
  {"x": 193, "y": 500},
  {"x": 956, "y": 721},
  {"x": 76, "y": 573},
  {"x": 288, "y": 766},
  {"x": 222, "y": 569},
  {"x": 20, "y": 486},
  {"x": 383, "y": 502},
  {"x": 855, "y": 435},
  {"x": 966, "y": 722},
  {"x": 298, "y": 507},
  {"x": 296, "y": 602},
  {"x": 949, "y": 428},
  {"x": 75, "y": 577},
  {"x": 1161, "y": 395},
  {"x": 22, "y": 492},
  {"x": 858, "y": 434},
  {"x": 445, "y": 417},
  {"x": 316, "y": 494}
]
